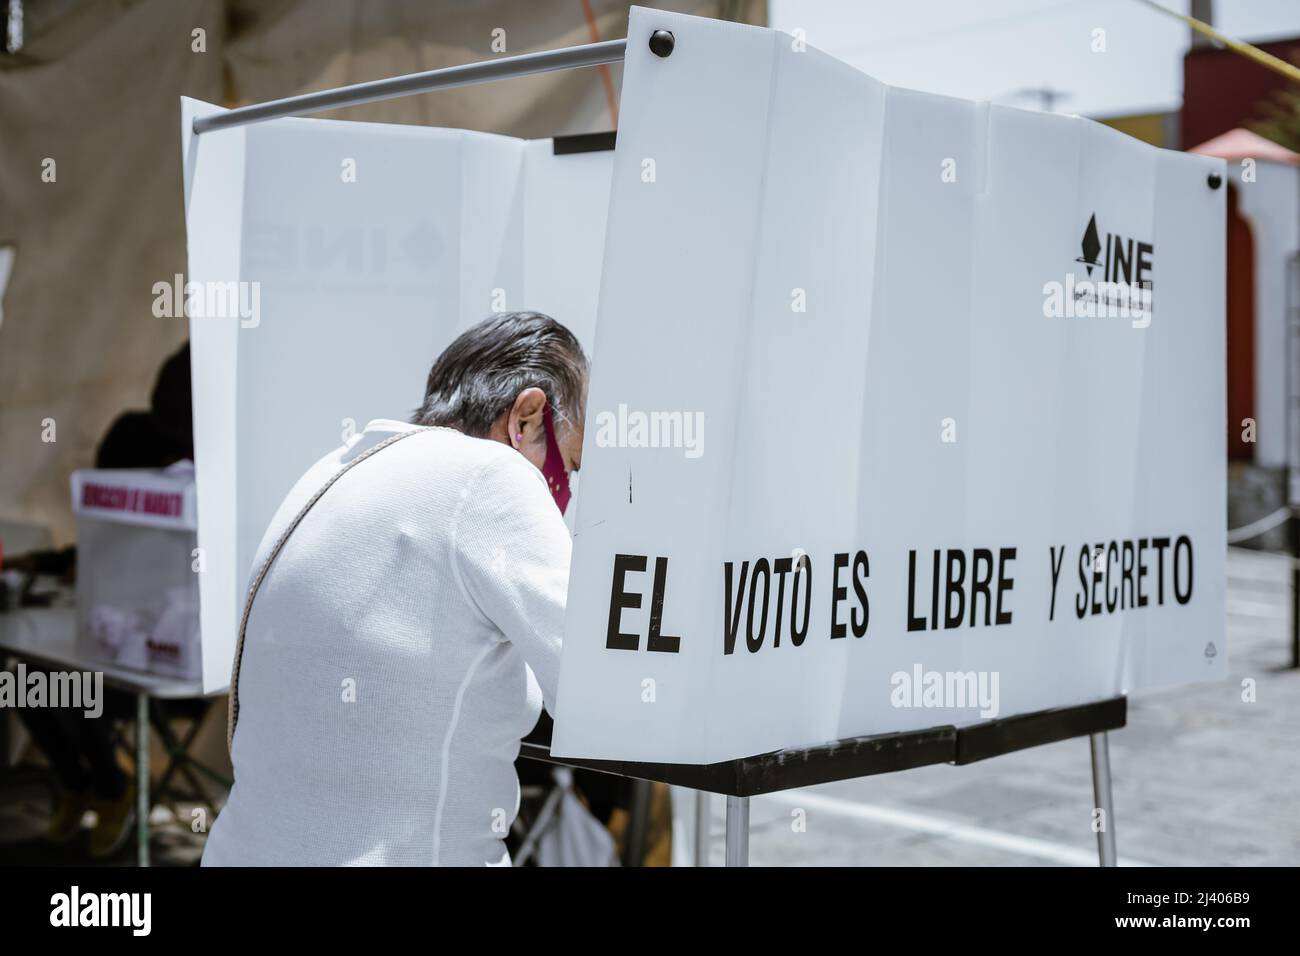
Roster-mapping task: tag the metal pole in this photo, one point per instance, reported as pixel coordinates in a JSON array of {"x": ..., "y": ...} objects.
[
  {"x": 1293, "y": 531},
  {"x": 563, "y": 780},
  {"x": 701, "y": 828},
  {"x": 6, "y": 746},
  {"x": 567, "y": 58},
  {"x": 1202, "y": 10},
  {"x": 142, "y": 778},
  {"x": 1293, "y": 443},
  {"x": 1104, "y": 799},
  {"x": 638, "y": 824},
  {"x": 737, "y": 831}
]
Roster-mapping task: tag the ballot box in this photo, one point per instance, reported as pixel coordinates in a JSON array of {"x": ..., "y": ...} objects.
[{"x": 137, "y": 564}]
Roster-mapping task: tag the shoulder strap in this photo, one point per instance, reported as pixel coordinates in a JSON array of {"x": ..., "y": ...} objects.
[{"x": 233, "y": 710}]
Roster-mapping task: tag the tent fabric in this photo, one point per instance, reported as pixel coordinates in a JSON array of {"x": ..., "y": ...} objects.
[
  {"x": 96, "y": 88},
  {"x": 1238, "y": 144},
  {"x": 79, "y": 343}
]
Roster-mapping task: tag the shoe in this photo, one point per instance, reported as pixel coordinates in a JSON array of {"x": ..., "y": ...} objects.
[
  {"x": 115, "y": 825},
  {"x": 69, "y": 808}
]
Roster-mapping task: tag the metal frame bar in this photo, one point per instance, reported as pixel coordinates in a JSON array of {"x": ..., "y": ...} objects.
[
  {"x": 142, "y": 801},
  {"x": 737, "y": 831},
  {"x": 856, "y": 757},
  {"x": 525, "y": 64},
  {"x": 702, "y": 811},
  {"x": 550, "y": 806},
  {"x": 635, "y": 837},
  {"x": 1292, "y": 302},
  {"x": 179, "y": 758},
  {"x": 1099, "y": 744}
]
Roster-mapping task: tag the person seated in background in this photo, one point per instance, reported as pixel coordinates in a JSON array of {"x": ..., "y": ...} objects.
[
  {"x": 81, "y": 750},
  {"x": 158, "y": 436},
  {"x": 404, "y": 627}
]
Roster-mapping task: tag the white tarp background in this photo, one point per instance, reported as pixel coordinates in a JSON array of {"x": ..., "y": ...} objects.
[
  {"x": 360, "y": 250},
  {"x": 783, "y": 176}
]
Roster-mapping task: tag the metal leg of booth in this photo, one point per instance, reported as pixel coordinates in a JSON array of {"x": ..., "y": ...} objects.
[
  {"x": 142, "y": 801},
  {"x": 638, "y": 824},
  {"x": 702, "y": 828},
  {"x": 737, "y": 831},
  {"x": 6, "y": 748},
  {"x": 1104, "y": 799}
]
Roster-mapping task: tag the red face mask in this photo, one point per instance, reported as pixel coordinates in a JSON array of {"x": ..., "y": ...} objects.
[{"x": 557, "y": 479}]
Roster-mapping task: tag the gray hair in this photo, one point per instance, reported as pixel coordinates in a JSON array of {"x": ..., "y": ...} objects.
[{"x": 481, "y": 373}]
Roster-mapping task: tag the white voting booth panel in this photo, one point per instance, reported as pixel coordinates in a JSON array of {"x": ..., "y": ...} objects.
[
  {"x": 847, "y": 288},
  {"x": 329, "y": 264}
]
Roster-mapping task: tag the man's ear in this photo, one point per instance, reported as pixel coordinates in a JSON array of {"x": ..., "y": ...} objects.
[{"x": 525, "y": 420}]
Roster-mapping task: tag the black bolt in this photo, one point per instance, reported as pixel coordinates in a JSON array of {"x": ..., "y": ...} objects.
[
  {"x": 1214, "y": 180},
  {"x": 661, "y": 43}
]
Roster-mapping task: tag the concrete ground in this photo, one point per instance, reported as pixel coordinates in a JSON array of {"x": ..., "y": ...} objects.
[{"x": 1200, "y": 777}]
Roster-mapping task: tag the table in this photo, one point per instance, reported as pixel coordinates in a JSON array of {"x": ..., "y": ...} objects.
[
  {"x": 48, "y": 636},
  {"x": 746, "y": 777}
]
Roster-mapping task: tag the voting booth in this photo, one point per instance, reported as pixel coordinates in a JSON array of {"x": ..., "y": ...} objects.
[
  {"x": 921, "y": 442},
  {"x": 905, "y": 432},
  {"x": 329, "y": 264}
]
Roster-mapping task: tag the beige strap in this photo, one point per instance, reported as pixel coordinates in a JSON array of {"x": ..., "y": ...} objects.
[{"x": 233, "y": 710}]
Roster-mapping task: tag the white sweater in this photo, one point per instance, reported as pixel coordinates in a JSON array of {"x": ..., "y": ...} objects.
[{"x": 393, "y": 658}]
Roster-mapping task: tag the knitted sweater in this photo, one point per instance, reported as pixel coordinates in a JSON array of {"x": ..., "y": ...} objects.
[{"x": 398, "y": 649}]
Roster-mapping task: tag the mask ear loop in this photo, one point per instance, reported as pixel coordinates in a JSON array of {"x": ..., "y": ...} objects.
[
  {"x": 555, "y": 410},
  {"x": 557, "y": 477}
]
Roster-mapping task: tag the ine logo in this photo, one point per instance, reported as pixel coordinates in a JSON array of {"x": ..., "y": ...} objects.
[
  {"x": 1124, "y": 260},
  {"x": 1117, "y": 284}
]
